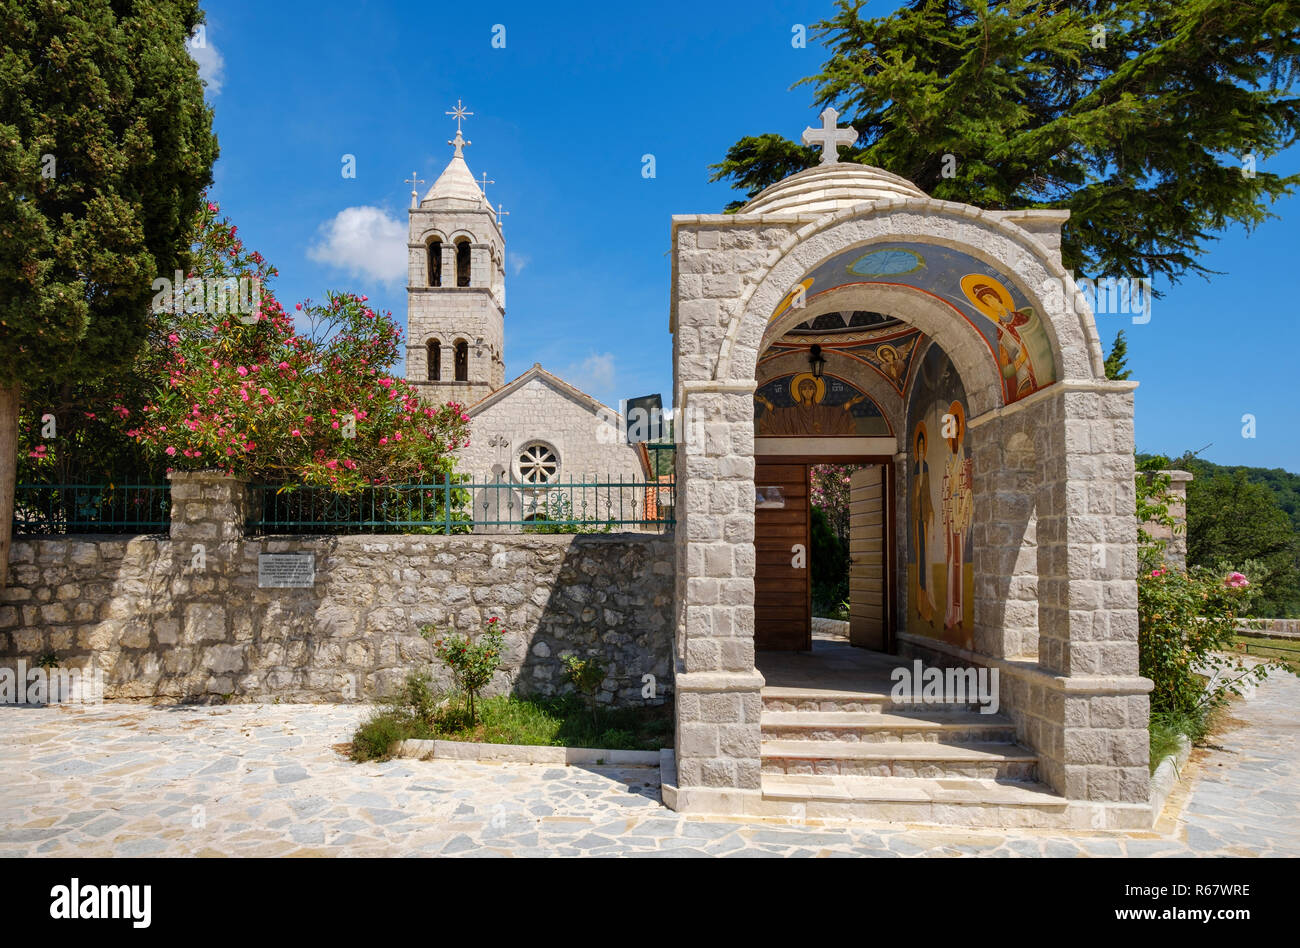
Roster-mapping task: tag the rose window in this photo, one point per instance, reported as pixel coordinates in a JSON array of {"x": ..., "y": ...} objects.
[{"x": 538, "y": 464}]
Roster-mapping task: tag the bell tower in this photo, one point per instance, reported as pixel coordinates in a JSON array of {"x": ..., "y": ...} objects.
[{"x": 456, "y": 292}]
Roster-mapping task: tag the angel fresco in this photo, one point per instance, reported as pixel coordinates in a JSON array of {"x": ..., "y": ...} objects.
[
  {"x": 1024, "y": 355},
  {"x": 891, "y": 360}
]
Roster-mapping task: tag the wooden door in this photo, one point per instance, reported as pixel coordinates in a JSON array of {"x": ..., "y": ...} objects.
[
  {"x": 782, "y": 594},
  {"x": 868, "y": 557}
]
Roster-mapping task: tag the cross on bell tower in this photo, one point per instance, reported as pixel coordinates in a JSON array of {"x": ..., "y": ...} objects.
[{"x": 829, "y": 137}]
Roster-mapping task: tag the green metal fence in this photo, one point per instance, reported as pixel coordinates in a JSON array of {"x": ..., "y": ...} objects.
[
  {"x": 91, "y": 508},
  {"x": 450, "y": 506}
]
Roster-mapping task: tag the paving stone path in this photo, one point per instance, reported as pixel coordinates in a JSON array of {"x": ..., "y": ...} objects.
[{"x": 265, "y": 780}]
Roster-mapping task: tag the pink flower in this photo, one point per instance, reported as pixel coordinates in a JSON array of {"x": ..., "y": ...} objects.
[
  {"x": 1236, "y": 581},
  {"x": 241, "y": 370},
  {"x": 1157, "y": 573},
  {"x": 216, "y": 364},
  {"x": 295, "y": 432},
  {"x": 397, "y": 435},
  {"x": 172, "y": 337},
  {"x": 262, "y": 391},
  {"x": 171, "y": 451}
]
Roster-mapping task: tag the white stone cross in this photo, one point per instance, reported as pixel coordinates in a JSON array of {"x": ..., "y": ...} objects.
[
  {"x": 483, "y": 183},
  {"x": 458, "y": 113},
  {"x": 414, "y": 182},
  {"x": 501, "y": 214},
  {"x": 460, "y": 142},
  {"x": 829, "y": 137}
]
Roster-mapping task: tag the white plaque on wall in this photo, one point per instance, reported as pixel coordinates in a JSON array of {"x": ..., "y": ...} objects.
[{"x": 286, "y": 570}]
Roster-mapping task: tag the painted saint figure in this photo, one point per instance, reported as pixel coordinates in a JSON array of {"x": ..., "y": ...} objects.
[
  {"x": 922, "y": 517},
  {"x": 893, "y": 365},
  {"x": 1024, "y": 361},
  {"x": 808, "y": 417},
  {"x": 958, "y": 499}
]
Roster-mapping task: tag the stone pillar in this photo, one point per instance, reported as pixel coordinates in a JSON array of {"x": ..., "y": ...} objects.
[
  {"x": 480, "y": 265},
  {"x": 208, "y": 507},
  {"x": 206, "y": 656},
  {"x": 1175, "y": 538},
  {"x": 718, "y": 689},
  {"x": 1092, "y": 738},
  {"x": 448, "y": 264}
]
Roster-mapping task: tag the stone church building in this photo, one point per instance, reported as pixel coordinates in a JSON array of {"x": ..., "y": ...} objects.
[{"x": 536, "y": 429}]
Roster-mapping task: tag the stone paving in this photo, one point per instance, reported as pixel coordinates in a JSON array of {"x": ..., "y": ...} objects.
[{"x": 267, "y": 780}]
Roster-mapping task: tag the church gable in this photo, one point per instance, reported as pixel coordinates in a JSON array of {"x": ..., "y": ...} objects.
[{"x": 540, "y": 417}]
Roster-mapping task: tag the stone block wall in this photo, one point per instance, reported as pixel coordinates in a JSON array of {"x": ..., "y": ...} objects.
[{"x": 183, "y": 618}]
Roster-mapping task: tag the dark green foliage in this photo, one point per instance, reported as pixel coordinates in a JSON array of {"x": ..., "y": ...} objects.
[
  {"x": 377, "y": 736},
  {"x": 1231, "y": 520},
  {"x": 829, "y": 562},
  {"x": 1117, "y": 361},
  {"x": 110, "y": 93},
  {"x": 1245, "y": 518},
  {"x": 1141, "y": 135}
]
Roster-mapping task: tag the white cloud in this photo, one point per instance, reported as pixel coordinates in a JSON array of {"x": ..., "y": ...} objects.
[
  {"x": 365, "y": 242},
  {"x": 517, "y": 262},
  {"x": 212, "y": 68},
  {"x": 593, "y": 375}
]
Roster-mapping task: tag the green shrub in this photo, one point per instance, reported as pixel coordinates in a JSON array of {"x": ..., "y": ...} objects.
[
  {"x": 586, "y": 674},
  {"x": 1186, "y": 619},
  {"x": 416, "y": 700},
  {"x": 472, "y": 662},
  {"x": 378, "y": 735}
]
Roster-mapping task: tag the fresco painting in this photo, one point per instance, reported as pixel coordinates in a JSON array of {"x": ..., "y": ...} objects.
[
  {"x": 800, "y": 405},
  {"x": 1015, "y": 332},
  {"x": 940, "y": 505}
]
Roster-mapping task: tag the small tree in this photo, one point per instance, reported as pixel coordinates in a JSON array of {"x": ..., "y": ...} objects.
[
  {"x": 106, "y": 146},
  {"x": 1117, "y": 362},
  {"x": 586, "y": 674},
  {"x": 472, "y": 662}
]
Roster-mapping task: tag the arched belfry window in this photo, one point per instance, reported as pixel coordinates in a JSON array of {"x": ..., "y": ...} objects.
[
  {"x": 462, "y": 361},
  {"x": 462, "y": 263},
  {"x": 435, "y": 360},
  {"x": 435, "y": 263}
]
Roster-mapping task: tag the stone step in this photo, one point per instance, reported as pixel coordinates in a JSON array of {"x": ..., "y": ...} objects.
[
  {"x": 961, "y": 727},
  {"x": 945, "y": 801},
  {"x": 899, "y": 759},
  {"x": 805, "y": 699}
]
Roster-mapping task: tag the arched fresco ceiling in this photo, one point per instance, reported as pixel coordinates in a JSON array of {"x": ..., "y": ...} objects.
[{"x": 972, "y": 289}]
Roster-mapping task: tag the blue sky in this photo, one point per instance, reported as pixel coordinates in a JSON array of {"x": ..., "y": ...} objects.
[{"x": 562, "y": 117}]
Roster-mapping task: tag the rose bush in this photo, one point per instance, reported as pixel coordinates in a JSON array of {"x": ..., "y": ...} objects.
[{"x": 1186, "y": 621}]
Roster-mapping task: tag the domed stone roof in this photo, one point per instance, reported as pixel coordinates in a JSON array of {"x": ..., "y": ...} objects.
[{"x": 829, "y": 187}]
